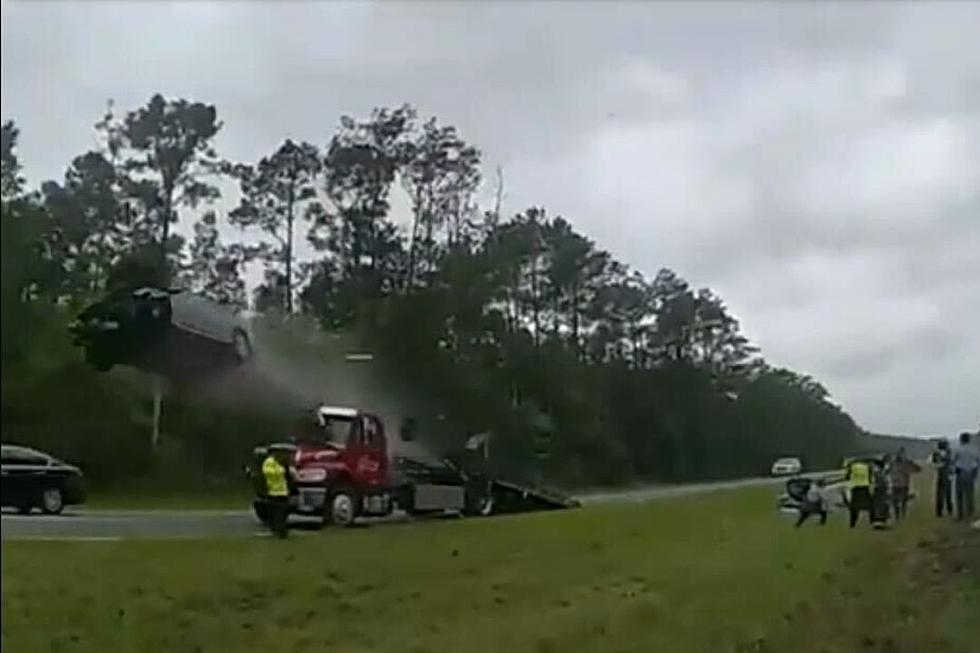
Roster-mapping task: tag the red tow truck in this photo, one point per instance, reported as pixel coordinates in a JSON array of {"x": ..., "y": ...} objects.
[{"x": 344, "y": 470}]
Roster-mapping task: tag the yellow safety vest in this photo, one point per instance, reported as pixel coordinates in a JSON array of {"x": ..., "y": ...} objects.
[
  {"x": 275, "y": 477},
  {"x": 860, "y": 475}
]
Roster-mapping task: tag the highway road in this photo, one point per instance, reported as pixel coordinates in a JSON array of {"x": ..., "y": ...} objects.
[{"x": 96, "y": 525}]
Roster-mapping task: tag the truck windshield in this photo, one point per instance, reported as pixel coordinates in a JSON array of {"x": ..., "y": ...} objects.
[{"x": 337, "y": 429}]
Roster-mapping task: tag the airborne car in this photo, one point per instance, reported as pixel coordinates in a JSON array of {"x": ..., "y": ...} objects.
[{"x": 167, "y": 331}]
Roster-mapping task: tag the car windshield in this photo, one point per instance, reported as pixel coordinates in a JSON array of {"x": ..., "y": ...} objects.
[{"x": 24, "y": 456}]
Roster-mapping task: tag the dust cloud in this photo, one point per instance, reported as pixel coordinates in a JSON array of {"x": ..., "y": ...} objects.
[{"x": 296, "y": 367}]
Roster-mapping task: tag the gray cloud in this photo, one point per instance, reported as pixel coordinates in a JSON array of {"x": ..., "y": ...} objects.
[{"x": 816, "y": 163}]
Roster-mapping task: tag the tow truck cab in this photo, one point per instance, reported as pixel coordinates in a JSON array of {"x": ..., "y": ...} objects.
[{"x": 343, "y": 471}]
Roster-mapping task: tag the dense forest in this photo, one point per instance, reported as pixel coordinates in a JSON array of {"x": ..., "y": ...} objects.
[{"x": 585, "y": 371}]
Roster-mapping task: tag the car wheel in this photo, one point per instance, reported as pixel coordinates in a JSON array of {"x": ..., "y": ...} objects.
[
  {"x": 52, "y": 502},
  {"x": 342, "y": 508},
  {"x": 242, "y": 345}
]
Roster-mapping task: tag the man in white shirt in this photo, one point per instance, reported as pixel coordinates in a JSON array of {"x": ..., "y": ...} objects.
[{"x": 966, "y": 465}]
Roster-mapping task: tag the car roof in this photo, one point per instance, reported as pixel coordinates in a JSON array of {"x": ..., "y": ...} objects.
[{"x": 18, "y": 449}]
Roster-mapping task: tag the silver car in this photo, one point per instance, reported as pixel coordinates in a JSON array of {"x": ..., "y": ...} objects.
[{"x": 166, "y": 331}]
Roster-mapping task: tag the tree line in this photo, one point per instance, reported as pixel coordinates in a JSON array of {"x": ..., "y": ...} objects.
[{"x": 585, "y": 370}]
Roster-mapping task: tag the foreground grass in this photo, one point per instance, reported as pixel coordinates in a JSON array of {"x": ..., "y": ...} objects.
[{"x": 711, "y": 573}]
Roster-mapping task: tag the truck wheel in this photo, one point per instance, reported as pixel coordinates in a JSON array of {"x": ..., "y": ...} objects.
[
  {"x": 342, "y": 508},
  {"x": 479, "y": 507},
  {"x": 52, "y": 502},
  {"x": 484, "y": 507},
  {"x": 480, "y": 504}
]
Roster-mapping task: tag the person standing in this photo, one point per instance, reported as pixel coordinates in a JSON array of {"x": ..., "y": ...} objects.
[
  {"x": 900, "y": 476},
  {"x": 942, "y": 463},
  {"x": 858, "y": 477},
  {"x": 814, "y": 503},
  {"x": 966, "y": 463},
  {"x": 277, "y": 494},
  {"x": 880, "y": 503}
]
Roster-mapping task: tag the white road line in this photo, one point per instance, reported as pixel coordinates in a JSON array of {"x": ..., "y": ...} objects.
[
  {"x": 119, "y": 538},
  {"x": 66, "y": 538},
  {"x": 159, "y": 512}
]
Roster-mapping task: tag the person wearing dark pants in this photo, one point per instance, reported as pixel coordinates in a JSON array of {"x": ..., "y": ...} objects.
[
  {"x": 277, "y": 495},
  {"x": 858, "y": 476},
  {"x": 278, "y": 508},
  {"x": 815, "y": 503},
  {"x": 805, "y": 514},
  {"x": 942, "y": 463},
  {"x": 966, "y": 464},
  {"x": 860, "y": 502}
]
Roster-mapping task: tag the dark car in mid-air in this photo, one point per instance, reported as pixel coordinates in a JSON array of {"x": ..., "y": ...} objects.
[
  {"x": 33, "y": 479},
  {"x": 171, "y": 332}
]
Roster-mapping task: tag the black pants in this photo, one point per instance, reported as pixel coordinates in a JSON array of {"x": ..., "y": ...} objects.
[
  {"x": 278, "y": 511},
  {"x": 860, "y": 501},
  {"x": 900, "y": 500},
  {"x": 807, "y": 510},
  {"x": 879, "y": 506},
  {"x": 964, "y": 495},
  {"x": 944, "y": 494}
]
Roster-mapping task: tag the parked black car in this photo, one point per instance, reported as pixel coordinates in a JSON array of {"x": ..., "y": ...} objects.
[{"x": 32, "y": 479}]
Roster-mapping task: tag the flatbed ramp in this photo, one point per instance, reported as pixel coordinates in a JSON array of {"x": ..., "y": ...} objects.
[
  {"x": 507, "y": 496},
  {"x": 510, "y": 497}
]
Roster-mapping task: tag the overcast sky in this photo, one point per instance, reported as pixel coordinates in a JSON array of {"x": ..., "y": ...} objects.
[{"x": 817, "y": 164}]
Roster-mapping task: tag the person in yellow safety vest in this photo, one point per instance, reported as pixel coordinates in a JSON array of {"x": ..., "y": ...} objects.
[
  {"x": 858, "y": 476},
  {"x": 277, "y": 494}
]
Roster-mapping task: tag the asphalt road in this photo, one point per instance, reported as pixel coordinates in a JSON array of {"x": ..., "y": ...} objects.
[{"x": 95, "y": 525}]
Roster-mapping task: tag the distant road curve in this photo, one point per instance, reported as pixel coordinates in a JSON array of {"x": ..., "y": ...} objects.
[
  {"x": 654, "y": 492},
  {"x": 107, "y": 525}
]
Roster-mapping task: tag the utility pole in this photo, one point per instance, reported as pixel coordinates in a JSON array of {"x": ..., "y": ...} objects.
[{"x": 157, "y": 410}]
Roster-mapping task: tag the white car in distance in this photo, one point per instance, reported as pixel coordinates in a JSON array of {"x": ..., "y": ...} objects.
[{"x": 786, "y": 467}]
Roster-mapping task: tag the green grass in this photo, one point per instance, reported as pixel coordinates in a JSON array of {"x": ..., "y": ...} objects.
[{"x": 713, "y": 573}]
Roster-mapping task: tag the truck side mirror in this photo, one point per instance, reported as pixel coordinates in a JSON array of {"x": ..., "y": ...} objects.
[{"x": 407, "y": 430}]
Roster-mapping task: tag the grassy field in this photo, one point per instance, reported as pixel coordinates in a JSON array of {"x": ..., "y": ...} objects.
[{"x": 713, "y": 573}]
